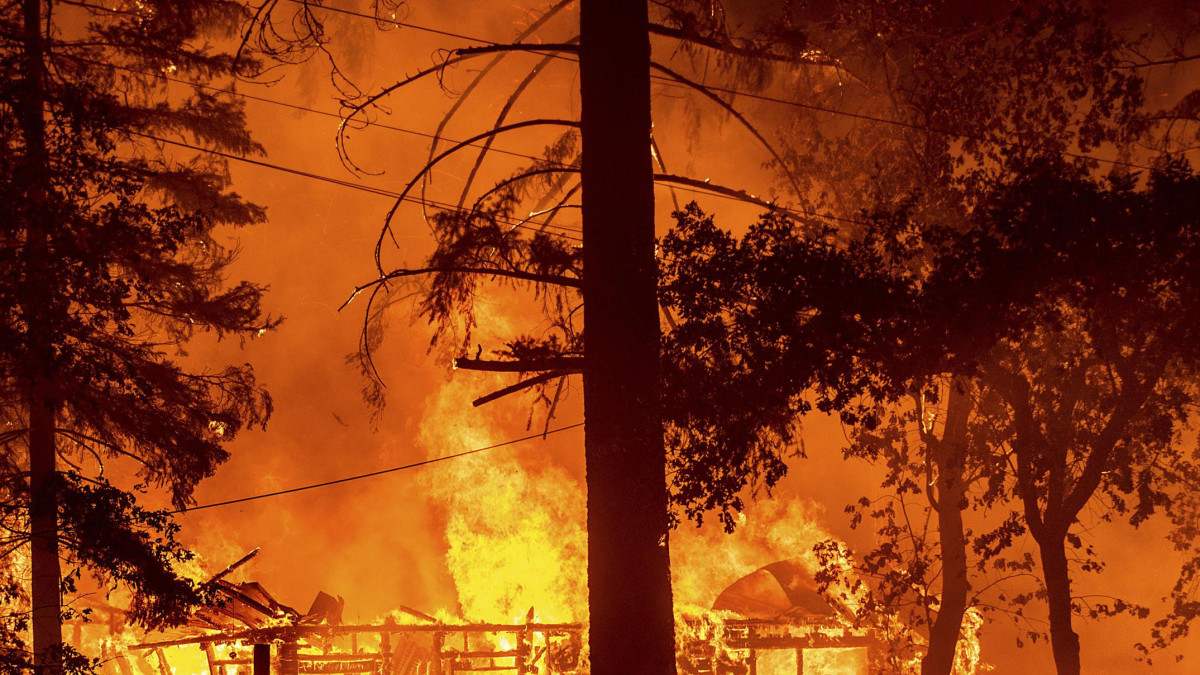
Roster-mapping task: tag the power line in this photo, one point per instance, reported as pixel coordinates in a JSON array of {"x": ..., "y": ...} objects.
[
  {"x": 394, "y": 22},
  {"x": 298, "y": 107},
  {"x": 672, "y": 82},
  {"x": 780, "y": 101},
  {"x": 372, "y": 474},
  {"x": 523, "y": 224}
]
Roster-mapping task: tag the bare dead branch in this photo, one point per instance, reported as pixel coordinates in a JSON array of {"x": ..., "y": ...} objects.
[
  {"x": 707, "y": 186},
  {"x": 557, "y": 47},
  {"x": 479, "y": 77},
  {"x": 353, "y": 111},
  {"x": 708, "y": 93},
  {"x": 519, "y": 386},
  {"x": 553, "y": 407},
  {"x": 551, "y": 279},
  {"x": 504, "y": 111},
  {"x": 524, "y": 175},
  {"x": 387, "y": 222},
  {"x": 560, "y": 364}
]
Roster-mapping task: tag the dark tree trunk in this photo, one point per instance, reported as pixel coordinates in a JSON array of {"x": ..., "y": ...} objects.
[
  {"x": 629, "y": 584},
  {"x": 45, "y": 588},
  {"x": 46, "y": 571},
  {"x": 949, "y": 456},
  {"x": 1063, "y": 639}
]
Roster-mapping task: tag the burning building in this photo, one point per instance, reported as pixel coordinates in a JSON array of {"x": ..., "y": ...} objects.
[{"x": 770, "y": 622}]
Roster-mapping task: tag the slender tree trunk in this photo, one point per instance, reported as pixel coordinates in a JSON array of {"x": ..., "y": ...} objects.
[
  {"x": 949, "y": 458},
  {"x": 1063, "y": 639},
  {"x": 629, "y": 584},
  {"x": 944, "y": 633},
  {"x": 46, "y": 572}
]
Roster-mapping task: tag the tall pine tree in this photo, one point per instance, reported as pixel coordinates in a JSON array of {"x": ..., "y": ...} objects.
[{"x": 108, "y": 259}]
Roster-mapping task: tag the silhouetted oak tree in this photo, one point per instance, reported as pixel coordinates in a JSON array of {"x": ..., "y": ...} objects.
[
  {"x": 955, "y": 95},
  {"x": 1070, "y": 303}
]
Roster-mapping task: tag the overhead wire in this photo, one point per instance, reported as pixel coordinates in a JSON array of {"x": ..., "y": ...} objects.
[
  {"x": 372, "y": 474},
  {"x": 395, "y": 22},
  {"x": 523, "y": 224},
  {"x": 668, "y": 81},
  {"x": 301, "y": 108},
  {"x": 673, "y": 83},
  {"x": 779, "y": 101}
]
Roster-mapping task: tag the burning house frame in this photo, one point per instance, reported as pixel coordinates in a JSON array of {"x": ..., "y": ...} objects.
[
  {"x": 765, "y": 623},
  {"x": 524, "y": 648}
]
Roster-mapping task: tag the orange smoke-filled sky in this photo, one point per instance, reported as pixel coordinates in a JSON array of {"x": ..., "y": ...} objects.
[{"x": 382, "y": 542}]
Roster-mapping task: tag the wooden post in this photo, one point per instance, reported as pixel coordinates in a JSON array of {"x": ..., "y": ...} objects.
[
  {"x": 438, "y": 640},
  {"x": 164, "y": 668},
  {"x": 210, "y": 653},
  {"x": 262, "y": 659},
  {"x": 753, "y": 653},
  {"x": 289, "y": 656},
  {"x": 800, "y": 661},
  {"x": 522, "y": 650},
  {"x": 385, "y": 646}
]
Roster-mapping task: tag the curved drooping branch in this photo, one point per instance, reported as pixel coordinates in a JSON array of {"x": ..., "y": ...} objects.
[
  {"x": 508, "y": 106},
  {"x": 480, "y": 77},
  {"x": 553, "y": 279},
  {"x": 708, "y": 93},
  {"x": 352, "y": 111},
  {"x": 762, "y": 53},
  {"x": 455, "y": 56},
  {"x": 387, "y": 222},
  {"x": 524, "y": 175},
  {"x": 707, "y": 186},
  {"x": 566, "y": 364}
]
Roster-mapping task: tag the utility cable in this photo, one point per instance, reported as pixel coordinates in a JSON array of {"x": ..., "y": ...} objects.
[
  {"x": 523, "y": 224},
  {"x": 347, "y": 479},
  {"x": 404, "y": 24},
  {"x": 526, "y": 224},
  {"x": 779, "y": 101},
  {"x": 725, "y": 90}
]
